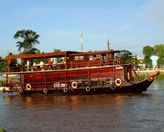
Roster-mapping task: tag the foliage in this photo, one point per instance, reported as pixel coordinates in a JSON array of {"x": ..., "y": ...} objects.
[
  {"x": 160, "y": 77},
  {"x": 28, "y": 39},
  {"x": 57, "y": 59},
  {"x": 57, "y": 50},
  {"x": 159, "y": 50},
  {"x": 156, "y": 50},
  {"x": 136, "y": 62},
  {"x": 142, "y": 77},
  {"x": 2, "y": 83},
  {"x": 2, "y": 64},
  {"x": 160, "y": 61},
  {"x": 14, "y": 62},
  {"x": 147, "y": 61},
  {"x": 125, "y": 55},
  {"x": 33, "y": 51},
  {"x": 148, "y": 51}
]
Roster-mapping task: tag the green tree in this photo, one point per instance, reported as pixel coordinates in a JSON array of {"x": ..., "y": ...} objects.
[
  {"x": 148, "y": 51},
  {"x": 160, "y": 61},
  {"x": 147, "y": 61},
  {"x": 125, "y": 55},
  {"x": 27, "y": 40},
  {"x": 159, "y": 51}
]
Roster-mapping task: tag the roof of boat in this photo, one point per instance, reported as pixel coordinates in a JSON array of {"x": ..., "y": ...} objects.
[
  {"x": 56, "y": 54},
  {"x": 41, "y": 55}
]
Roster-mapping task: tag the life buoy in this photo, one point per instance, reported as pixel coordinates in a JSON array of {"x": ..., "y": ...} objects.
[
  {"x": 45, "y": 90},
  {"x": 87, "y": 89},
  {"x": 65, "y": 90},
  {"x": 74, "y": 85},
  {"x": 118, "y": 82},
  {"x": 28, "y": 86},
  {"x": 113, "y": 88}
]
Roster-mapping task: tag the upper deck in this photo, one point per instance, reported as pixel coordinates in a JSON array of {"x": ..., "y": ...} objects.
[{"x": 60, "y": 60}]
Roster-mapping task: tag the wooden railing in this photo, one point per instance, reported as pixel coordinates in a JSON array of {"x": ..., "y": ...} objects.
[{"x": 63, "y": 66}]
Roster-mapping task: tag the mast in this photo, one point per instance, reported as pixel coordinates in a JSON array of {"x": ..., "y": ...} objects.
[
  {"x": 108, "y": 44},
  {"x": 81, "y": 41}
]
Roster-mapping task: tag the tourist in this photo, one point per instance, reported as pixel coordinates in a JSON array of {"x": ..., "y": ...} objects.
[
  {"x": 50, "y": 64},
  {"x": 28, "y": 65},
  {"x": 41, "y": 65}
]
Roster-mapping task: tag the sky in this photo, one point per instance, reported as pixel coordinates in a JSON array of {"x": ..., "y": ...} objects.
[{"x": 127, "y": 24}]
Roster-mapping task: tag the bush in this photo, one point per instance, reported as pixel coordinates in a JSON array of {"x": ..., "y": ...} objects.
[
  {"x": 2, "y": 83},
  {"x": 160, "y": 77}
]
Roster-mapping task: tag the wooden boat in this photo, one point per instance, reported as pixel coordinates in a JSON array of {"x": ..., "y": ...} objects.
[{"x": 70, "y": 72}]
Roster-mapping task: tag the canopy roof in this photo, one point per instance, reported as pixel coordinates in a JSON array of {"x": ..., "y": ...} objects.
[
  {"x": 42, "y": 55},
  {"x": 56, "y": 54}
]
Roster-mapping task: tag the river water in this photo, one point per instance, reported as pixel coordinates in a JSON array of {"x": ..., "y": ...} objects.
[{"x": 97, "y": 113}]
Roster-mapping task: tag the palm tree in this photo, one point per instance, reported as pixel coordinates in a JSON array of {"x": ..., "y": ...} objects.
[{"x": 28, "y": 39}]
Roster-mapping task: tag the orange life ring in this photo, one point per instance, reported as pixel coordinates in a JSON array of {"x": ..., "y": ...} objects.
[
  {"x": 118, "y": 82},
  {"x": 74, "y": 85},
  {"x": 28, "y": 86}
]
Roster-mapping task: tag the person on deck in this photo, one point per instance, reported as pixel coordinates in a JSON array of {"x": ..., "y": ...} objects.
[
  {"x": 50, "y": 64},
  {"x": 28, "y": 65},
  {"x": 42, "y": 65}
]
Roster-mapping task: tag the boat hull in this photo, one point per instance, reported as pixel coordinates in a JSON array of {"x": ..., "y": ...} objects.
[
  {"x": 78, "y": 82},
  {"x": 103, "y": 89}
]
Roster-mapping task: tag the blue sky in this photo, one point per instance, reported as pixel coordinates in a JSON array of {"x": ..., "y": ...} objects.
[{"x": 128, "y": 24}]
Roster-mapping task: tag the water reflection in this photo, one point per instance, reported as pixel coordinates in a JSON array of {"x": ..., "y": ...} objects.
[
  {"x": 38, "y": 101},
  {"x": 157, "y": 85},
  {"x": 8, "y": 99}
]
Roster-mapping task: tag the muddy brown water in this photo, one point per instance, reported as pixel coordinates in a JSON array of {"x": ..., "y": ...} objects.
[{"x": 94, "y": 113}]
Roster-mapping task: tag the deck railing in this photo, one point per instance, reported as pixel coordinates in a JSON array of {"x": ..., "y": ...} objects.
[{"x": 61, "y": 66}]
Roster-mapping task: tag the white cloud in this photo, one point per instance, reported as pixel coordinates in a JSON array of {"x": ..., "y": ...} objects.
[{"x": 153, "y": 12}]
